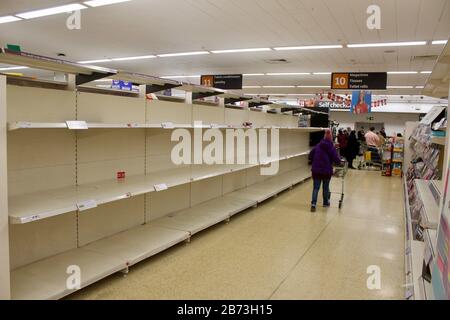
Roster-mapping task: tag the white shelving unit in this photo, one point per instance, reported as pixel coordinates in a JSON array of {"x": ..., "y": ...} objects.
[
  {"x": 430, "y": 216},
  {"x": 66, "y": 206}
]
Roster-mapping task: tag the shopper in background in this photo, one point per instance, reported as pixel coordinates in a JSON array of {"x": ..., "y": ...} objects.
[
  {"x": 371, "y": 138},
  {"x": 383, "y": 133},
  {"x": 342, "y": 140},
  {"x": 352, "y": 148},
  {"x": 322, "y": 157},
  {"x": 381, "y": 139}
]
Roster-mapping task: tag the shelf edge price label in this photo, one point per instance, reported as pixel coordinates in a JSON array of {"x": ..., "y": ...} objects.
[
  {"x": 160, "y": 187},
  {"x": 167, "y": 125},
  {"x": 77, "y": 125},
  {"x": 86, "y": 205}
]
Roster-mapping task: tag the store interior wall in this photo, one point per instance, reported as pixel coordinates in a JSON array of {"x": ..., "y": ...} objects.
[{"x": 394, "y": 122}]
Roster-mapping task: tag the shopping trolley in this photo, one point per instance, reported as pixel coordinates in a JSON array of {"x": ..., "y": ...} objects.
[
  {"x": 371, "y": 157},
  {"x": 340, "y": 171}
]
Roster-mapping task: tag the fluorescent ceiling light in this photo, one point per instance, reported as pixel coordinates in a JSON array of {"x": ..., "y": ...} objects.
[
  {"x": 321, "y": 73},
  {"x": 12, "y": 68},
  {"x": 278, "y": 86},
  {"x": 310, "y": 47},
  {"x": 99, "y": 3},
  {"x": 103, "y": 80},
  {"x": 402, "y": 72},
  {"x": 94, "y": 61},
  {"x": 134, "y": 58},
  {"x": 250, "y": 87},
  {"x": 420, "y": 87},
  {"x": 426, "y": 72},
  {"x": 387, "y": 44},
  {"x": 288, "y": 74},
  {"x": 313, "y": 86},
  {"x": 241, "y": 50},
  {"x": 7, "y": 19},
  {"x": 193, "y": 53},
  {"x": 400, "y": 87},
  {"x": 51, "y": 11},
  {"x": 439, "y": 42},
  {"x": 180, "y": 77},
  {"x": 253, "y": 74}
]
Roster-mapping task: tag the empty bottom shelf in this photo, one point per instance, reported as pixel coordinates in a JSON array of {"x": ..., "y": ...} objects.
[
  {"x": 204, "y": 215},
  {"x": 47, "y": 278}
]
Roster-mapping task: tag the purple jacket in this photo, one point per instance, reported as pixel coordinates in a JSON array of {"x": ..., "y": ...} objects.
[{"x": 323, "y": 156}]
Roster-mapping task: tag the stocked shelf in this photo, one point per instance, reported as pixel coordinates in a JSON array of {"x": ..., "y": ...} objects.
[
  {"x": 417, "y": 249},
  {"x": 45, "y": 204},
  {"x": 430, "y": 216},
  {"x": 438, "y": 140}
]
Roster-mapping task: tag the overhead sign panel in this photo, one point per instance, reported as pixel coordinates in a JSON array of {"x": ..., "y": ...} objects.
[
  {"x": 359, "y": 81},
  {"x": 223, "y": 81}
]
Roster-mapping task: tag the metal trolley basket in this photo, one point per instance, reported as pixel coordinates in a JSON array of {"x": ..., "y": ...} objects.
[{"x": 340, "y": 171}]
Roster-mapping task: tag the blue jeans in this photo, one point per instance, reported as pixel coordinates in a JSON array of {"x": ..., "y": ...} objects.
[{"x": 326, "y": 191}]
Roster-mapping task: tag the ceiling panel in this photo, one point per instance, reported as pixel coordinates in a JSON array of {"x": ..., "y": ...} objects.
[{"x": 142, "y": 27}]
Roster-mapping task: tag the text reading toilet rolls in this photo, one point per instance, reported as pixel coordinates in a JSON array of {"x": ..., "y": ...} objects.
[{"x": 223, "y": 310}]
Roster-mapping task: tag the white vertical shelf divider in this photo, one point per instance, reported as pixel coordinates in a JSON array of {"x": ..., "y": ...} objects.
[{"x": 5, "y": 292}]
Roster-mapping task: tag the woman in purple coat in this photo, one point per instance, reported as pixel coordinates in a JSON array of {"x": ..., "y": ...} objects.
[{"x": 323, "y": 156}]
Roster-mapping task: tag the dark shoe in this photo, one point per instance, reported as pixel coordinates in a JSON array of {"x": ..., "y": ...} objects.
[
  {"x": 326, "y": 205},
  {"x": 313, "y": 208}
]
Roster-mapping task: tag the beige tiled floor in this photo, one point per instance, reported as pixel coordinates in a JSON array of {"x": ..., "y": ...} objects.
[{"x": 282, "y": 251}]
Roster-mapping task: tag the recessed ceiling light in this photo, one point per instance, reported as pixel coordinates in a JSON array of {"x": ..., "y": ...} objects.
[
  {"x": 309, "y": 47},
  {"x": 426, "y": 72},
  {"x": 313, "y": 86},
  {"x": 7, "y": 19},
  {"x": 94, "y": 61},
  {"x": 439, "y": 42},
  {"x": 241, "y": 50},
  {"x": 402, "y": 72},
  {"x": 99, "y": 3},
  {"x": 134, "y": 58},
  {"x": 420, "y": 87},
  {"x": 12, "y": 68},
  {"x": 180, "y": 77},
  {"x": 278, "y": 86},
  {"x": 387, "y": 44},
  {"x": 288, "y": 74},
  {"x": 193, "y": 53},
  {"x": 51, "y": 11},
  {"x": 253, "y": 74}
]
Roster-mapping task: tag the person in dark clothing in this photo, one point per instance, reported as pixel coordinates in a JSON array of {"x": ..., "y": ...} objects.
[
  {"x": 342, "y": 139},
  {"x": 352, "y": 148},
  {"x": 383, "y": 133},
  {"x": 322, "y": 157}
]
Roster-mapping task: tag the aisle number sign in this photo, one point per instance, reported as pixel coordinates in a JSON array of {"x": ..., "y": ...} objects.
[
  {"x": 359, "y": 81},
  {"x": 222, "y": 81}
]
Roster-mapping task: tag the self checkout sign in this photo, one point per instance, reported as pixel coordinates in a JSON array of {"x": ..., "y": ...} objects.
[{"x": 359, "y": 81}]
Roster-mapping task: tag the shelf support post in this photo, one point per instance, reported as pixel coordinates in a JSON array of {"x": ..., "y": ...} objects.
[{"x": 5, "y": 285}]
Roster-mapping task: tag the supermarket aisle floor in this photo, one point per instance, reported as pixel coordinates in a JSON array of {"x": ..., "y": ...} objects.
[{"x": 282, "y": 251}]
